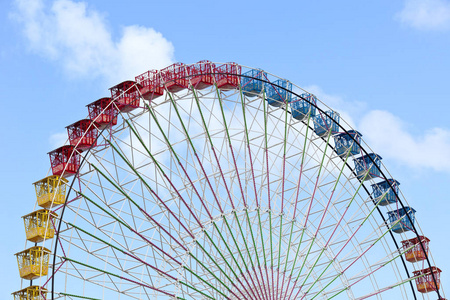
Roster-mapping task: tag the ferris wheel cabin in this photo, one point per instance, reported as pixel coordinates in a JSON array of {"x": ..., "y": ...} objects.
[
  {"x": 39, "y": 226},
  {"x": 103, "y": 112},
  {"x": 175, "y": 77},
  {"x": 425, "y": 282},
  {"x": 416, "y": 252},
  {"x": 33, "y": 292},
  {"x": 227, "y": 76},
  {"x": 326, "y": 122},
  {"x": 368, "y": 166},
  {"x": 383, "y": 194},
  {"x": 83, "y": 134},
  {"x": 347, "y": 141},
  {"x": 126, "y": 95},
  {"x": 201, "y": 74},
  {"x": 64, "y": 161},
  {"x": 51, "y": 190},
  {"x": 400, "y": 221},
  {"x": 33, "y": 262},
  {"x": 252, "y": 85},
  {"x": 150, "y": 85},
  {"x": 278, "y": 92},
  {"x": 303, "y": 107}
]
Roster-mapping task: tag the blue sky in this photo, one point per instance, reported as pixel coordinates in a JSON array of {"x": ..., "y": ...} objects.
[{"x": 383, "y": 64}]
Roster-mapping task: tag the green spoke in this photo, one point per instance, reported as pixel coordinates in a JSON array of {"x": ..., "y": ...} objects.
[
  {"x": 129, "y": 198},
  {"x": 298, "y": 188},
  {"x": 215, "y": 226},
  {"x": 332, "y": 193},
  {"x": 77, "y": 296},
  {"x": 118, "y": 276}
]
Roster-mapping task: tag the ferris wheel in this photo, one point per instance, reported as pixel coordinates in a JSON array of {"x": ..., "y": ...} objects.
[{"x": 220, "y": 181}]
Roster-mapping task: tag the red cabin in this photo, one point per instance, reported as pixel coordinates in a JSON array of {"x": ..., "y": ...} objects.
[
  {"x": 416, "y": 253},
  {"x": 227, "y": 76},
  {"x": 103, "y": 112},
  {"x": 174, "y": 77},
  {"x": 83, "y": 134},
  {"x": 201, "y": 74},
  {"x": 65, "y": 161},
  {"x": 150, "y": 85},
  {"x": 425, "y": 282},
  {"x": 126, "y": 95}
]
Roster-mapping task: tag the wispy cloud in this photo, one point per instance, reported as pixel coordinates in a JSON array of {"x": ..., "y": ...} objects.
[
  {"x": 80, "y": 39},
  {"x": 58, "y": 139},
  {"x": 425, "y": 14},
  {"x": 391, "y": 136},
  {"x": 347, "y": 109}
]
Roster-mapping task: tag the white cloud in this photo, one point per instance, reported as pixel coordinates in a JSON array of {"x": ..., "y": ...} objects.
[
  {"x": 426, "y": 14},
  {"x": 58, "y": 139},
  {"x": 346, "y": 109},
  {"x": 80, "y": 40},
  {"x": 388, "y": 135}
]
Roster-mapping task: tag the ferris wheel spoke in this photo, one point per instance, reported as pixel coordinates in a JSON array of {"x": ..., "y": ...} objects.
[
  {"x": 296, "y": 256},
  {"x": 195, "y": 154},
  {"x": 71, "y": 296},
  {"x": 123, "y": 251},
  {"x": 143, "y": 211},
  {"x": 283, "y": 179},
  {"x": 191, "y": 233},
  {"x": 155, "y": 161},
  {"x": 187, "y": 135},
  {"x": 229, "y": 266},
  {"x": 320, "y": 223},
  {"x": 226, "y": 187},
  {"x": 378, "y": 291},
  {"x": 120, "y": 277},
  {"x": 153, "y": 192},
  {"x": 167, "y": 141},
  {"x": 231, "y": 148},
  {"x": 158, "y": 270},
  {"x": 295, "y": 206},
  {"x": 99, "y": 253},
  {"x": 358, "y": 257},
  {"x": 332, "y": 234},
  {"x": 306, "y": 220},
  {"x": 267, "y": 294},
  {"x": 268, "y": 187},
  {"x": 131, "y": 229},
  {"x": 242, "y": 272},
  {"x": 129, "y": 199},
  {"x": 206, "y": 281},
  {"x": 377, "y": 266},
  {"x": 241, "y": 190},
  {"x": 217, "y": 265},
  {"x": 175, "y": 154}
]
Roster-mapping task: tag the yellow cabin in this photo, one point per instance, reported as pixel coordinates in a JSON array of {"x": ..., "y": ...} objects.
[
  {"x": 33, "y": 292},
  {"x": 33, "y": 262},
  {"x": 39, "y": 225},
  {"x": 51, "y": 189}
]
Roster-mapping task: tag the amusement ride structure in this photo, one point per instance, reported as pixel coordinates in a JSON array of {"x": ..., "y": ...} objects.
[{"x": 219, "y": 181}]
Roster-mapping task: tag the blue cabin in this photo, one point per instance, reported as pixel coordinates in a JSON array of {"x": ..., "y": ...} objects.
[
  {"x": 347, "y": 141},
  {"x": 277, "y": 96},
  {"x": 405, "y": 223},
  {"x": 301, "y": 108},
  {"x": 383, "y": 193},
  {"x": 323, "y": 123},
  {"x": 252, "y": 85},
  {"x": 368, "y": 164}
]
